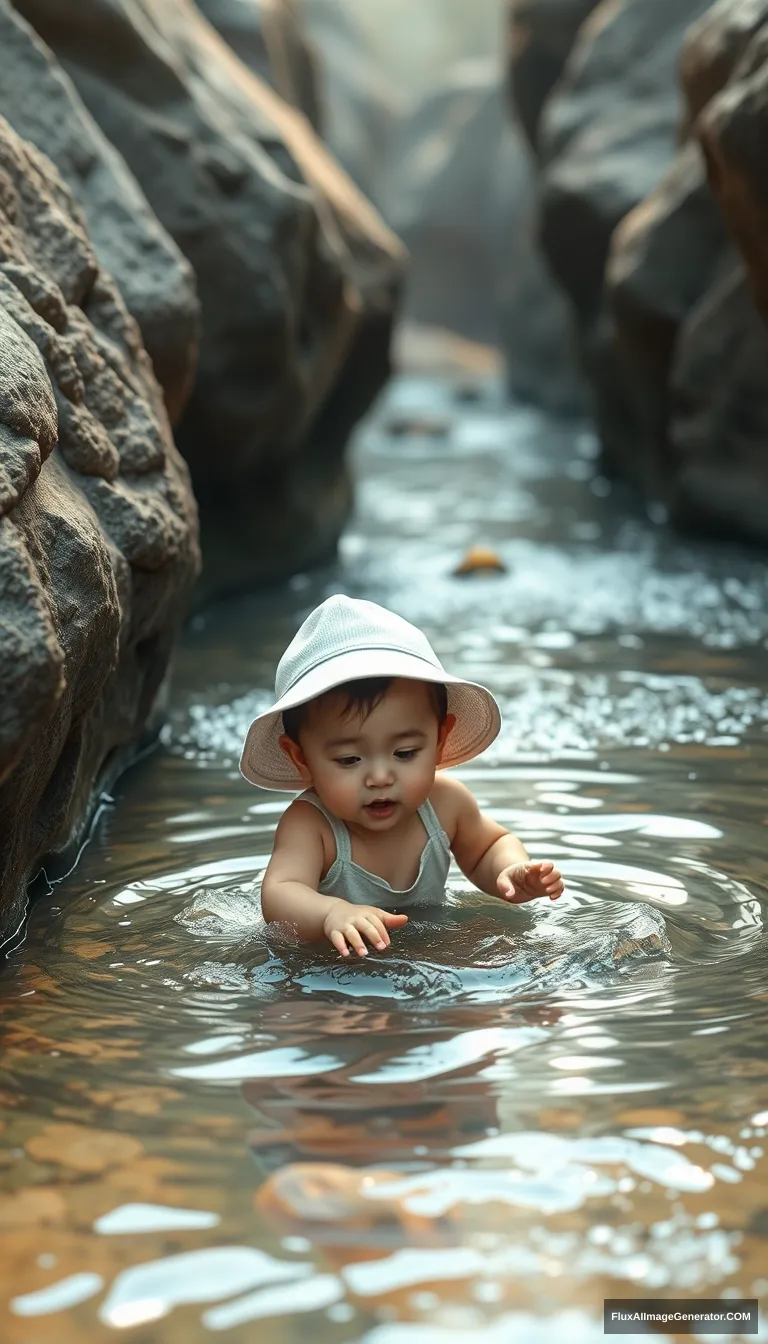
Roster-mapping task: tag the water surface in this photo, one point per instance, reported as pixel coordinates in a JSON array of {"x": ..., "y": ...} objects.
[{"x": 211, "y": 1130}]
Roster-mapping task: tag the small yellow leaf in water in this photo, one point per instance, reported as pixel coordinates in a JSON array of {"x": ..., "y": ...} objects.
[{"x": 481, "y": 559}]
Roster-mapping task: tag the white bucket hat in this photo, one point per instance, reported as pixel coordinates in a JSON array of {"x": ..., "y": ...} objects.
[{"x": 347, "y": 639}]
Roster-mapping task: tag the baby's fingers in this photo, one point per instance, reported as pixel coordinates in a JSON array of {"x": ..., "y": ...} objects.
[
  {"x": 551, "y": 880},
  {"x": 391, "y": 920},
  {"x": 355, "y": 940},
  {"x": 337, "y": 938},
  {"x": 542, "y": 870},
  {"x": 375, "y": 932}
]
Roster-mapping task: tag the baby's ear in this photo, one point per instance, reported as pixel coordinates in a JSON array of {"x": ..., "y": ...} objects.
[
  {"x": 444, "y": 731},
  {"x": 295, "y": 755}
]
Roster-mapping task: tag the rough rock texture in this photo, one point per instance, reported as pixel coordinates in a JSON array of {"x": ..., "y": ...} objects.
[
  {"x": 268, "y": 36},
  {"x": 541, "y": 34},
  {"x": 98, "y": 544},
  {"x": 714, "y": 46},
  {"x": 604, "y": 138},
  {"x": 655, "y": 219},
  {"x": 690, "y": 409},
  {"x": 733, "y": 125},
  {"x": 296, "y": 272},
  {"x": 664, "y": 256},
  {"x": 712, "y": 416},
  {"x": 608, "y": 134},
  {"x": 155, "y": 280},
  {"x": 719, "y": 413}
]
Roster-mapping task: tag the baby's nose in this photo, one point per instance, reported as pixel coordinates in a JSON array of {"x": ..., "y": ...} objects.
[{"x": 379, "y": 773}]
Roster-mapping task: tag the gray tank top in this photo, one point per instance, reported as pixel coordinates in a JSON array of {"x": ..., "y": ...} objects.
[{"x": 350, "y": 882}]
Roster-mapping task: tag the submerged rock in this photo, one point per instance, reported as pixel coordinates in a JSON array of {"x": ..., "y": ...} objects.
[
  {"x": 341, "y": 1203},
  {"x": 297, "y": 274},
  {"x": 98, "y": 544}
]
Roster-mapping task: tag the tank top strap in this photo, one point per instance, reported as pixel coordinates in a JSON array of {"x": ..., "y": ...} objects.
[
  {"x": 340, "y": 832},
  {"x": 430, "y": 819}
]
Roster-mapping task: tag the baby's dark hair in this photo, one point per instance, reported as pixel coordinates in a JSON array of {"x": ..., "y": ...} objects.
[{"x": 363, "y": 696}]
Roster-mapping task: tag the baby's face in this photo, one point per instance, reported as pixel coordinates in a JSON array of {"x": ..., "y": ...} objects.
[{"x": 372, "y": 771}]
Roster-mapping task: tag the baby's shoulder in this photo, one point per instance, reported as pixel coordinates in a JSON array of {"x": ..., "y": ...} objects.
[
  {"x": 302, "y": 821},
  {"x": 450, "y": 799}
]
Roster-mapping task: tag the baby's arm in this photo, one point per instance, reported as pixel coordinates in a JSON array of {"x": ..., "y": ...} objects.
[
  {"x": 289, "y": 890},
  {"x": 494, "y": 859}
]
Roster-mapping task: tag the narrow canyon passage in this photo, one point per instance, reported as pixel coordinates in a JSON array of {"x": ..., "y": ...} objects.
[{"x": 512, "y": 1114}]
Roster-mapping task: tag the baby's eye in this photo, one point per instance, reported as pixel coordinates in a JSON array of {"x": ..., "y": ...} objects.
[
  {"x": 347, "y": 761},
  {"x": 406, "y": 753}
]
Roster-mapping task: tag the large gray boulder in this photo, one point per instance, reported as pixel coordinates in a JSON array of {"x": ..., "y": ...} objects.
[
  {"x": 296, "y": 272},
  {"x": 694, "y": 349},
  {"x": 732, "y": 126},
  {"x": 605, "y": 138},
  {"x": 541, "y": 35},
  {"x": 663, "y": 258},
  {"x": 713, "y": 48},
  {"x": 646, "y": 198},
  {"x": 98, "y": 535},
  {"x": 155, "y": 280},
  {"x": 692, "y": 424},
  {"x": 608, "y": 134},
  {"x": 719, "y": 413}
]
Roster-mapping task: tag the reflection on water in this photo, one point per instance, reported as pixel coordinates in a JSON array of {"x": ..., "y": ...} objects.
[{"x": 511, "y": 1114}]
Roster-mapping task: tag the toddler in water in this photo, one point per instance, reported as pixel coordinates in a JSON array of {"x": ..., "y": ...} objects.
[{"x": 364, "y": 718}]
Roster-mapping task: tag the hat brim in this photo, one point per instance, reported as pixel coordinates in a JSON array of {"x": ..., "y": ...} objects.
[{"x": 477, "y": 714}]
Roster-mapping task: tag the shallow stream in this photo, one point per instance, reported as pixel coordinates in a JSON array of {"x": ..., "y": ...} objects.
[{"x": 514, "y": 1113}]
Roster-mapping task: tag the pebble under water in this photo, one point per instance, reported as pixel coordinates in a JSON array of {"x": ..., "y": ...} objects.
[{"x": 209, "y": 1129}]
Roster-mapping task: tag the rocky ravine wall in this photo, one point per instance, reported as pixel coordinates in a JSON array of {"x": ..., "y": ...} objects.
[
  {"x": 192, "y": 209},
  {"x": 155, "y": 280},
  {"x": 98, "y": 544},
  {"x": 297, "y": 274},
  {"x": 647, "y": 121}
]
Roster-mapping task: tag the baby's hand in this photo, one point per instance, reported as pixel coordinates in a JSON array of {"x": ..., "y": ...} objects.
[
  {"x": 525, "y": 881},
  {"x": 347, "y": 924}
]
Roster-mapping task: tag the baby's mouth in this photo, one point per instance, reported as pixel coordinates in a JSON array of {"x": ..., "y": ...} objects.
[{"x": 380, "y": 806}]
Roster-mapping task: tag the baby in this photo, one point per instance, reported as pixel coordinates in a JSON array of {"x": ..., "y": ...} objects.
[{"x": 364, "y": 718}]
